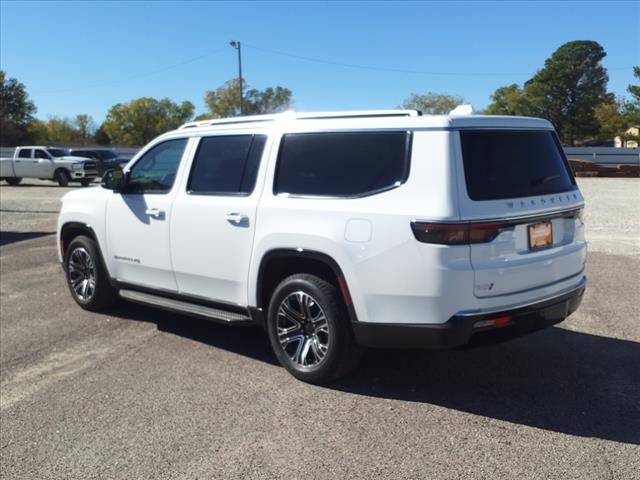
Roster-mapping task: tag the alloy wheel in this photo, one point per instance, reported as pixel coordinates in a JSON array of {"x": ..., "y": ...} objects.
[{"x": 303, "y": 330}]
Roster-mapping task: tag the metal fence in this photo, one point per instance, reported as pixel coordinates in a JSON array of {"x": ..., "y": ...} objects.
[{"x": 605, "y": 156}]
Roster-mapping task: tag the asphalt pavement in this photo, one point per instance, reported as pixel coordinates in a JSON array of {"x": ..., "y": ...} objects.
[{"x": 140, "y": 393}]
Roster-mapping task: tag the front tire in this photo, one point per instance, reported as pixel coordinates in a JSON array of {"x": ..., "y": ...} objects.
[
  {"x": 13, "y": 181},
  {"x": 87, "y": 278},
  {"x": 62, "y": 177},
  {"x": 309, "y": 330},
  {"x": 86, "y": 182}
]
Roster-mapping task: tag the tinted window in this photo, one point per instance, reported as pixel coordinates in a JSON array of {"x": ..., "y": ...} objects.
[
  {"x": 83, "y": 153},
  {"x": 507, "y": 164},
  {"x": 226, "y": 164},
  {"x": 106, "y": 154},
  {"x": 342, "y": 164},
  {"x": 24, "y": 153},
  {"x": 58, "y": 152},
  {"x": 41, "y": 154},
  {"x": 156, "y": 170}
]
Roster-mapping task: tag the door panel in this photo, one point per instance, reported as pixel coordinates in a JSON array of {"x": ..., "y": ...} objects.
[
  {"x": 138, "y": 220},
  {"x": 23, "y": 166},
  {"x": 211, "y": 248},
  {"x": 43, "y": 165},
  {"x": 138, "y": 239},
  {"x": 213, "y": 218}
]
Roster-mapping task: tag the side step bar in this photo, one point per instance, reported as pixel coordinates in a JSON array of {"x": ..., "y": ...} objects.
[{"x": 180, "y": 306}]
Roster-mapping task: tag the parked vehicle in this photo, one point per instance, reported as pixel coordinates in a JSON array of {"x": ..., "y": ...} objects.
[
  {"x": 48, "y": 163},
  {"x": 337, "y": 231},
  {"x": 106, "y": 158}
]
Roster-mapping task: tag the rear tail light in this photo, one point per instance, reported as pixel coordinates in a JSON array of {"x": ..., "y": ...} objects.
[{"x": 458, "y": 233}]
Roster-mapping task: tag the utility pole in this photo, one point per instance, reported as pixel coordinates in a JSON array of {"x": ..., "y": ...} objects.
[{"x": 236, "y": 45}]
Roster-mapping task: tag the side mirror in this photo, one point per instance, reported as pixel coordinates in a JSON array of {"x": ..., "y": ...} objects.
[{"x": 113, "y": 179}]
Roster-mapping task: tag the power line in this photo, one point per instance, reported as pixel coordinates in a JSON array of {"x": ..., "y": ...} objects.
[
  {"x": 132, "y": 77},
  {"x": 395, "y": 70}
]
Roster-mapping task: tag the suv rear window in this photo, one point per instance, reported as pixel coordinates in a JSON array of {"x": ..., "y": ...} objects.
[
  {"x": 513, "y": 163},
  {"x": 342, "y": 164}
]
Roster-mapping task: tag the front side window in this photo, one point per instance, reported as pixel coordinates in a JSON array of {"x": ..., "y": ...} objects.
[
  {"x": 156, "y": 170},
  {"x": 42, "y": 154},
  {"x": 226, "y": 165},
  {"x": 24, "y": 153},
  {"x": 342, "y": 164}
]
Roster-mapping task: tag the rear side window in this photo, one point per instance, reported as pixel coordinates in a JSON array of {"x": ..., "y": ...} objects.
[
  {"x": 24, "y": 153},
  {"x": 510, "y": 164},
  {"x": 226, "y": 165},
  {"x": 342, "y": 164}
]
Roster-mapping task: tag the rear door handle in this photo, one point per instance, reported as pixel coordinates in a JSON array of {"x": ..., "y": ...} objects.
[
  {"x": 236, "y": 218},
  {"x": 154, "y": 212}
]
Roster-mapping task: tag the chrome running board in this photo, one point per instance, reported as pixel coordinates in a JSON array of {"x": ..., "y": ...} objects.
[{"x": 180, "y": 306}]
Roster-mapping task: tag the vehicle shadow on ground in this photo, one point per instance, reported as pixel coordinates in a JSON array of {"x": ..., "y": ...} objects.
[
  {"x": 12, "y": 237},
  {"x": 558, "y": 380}
]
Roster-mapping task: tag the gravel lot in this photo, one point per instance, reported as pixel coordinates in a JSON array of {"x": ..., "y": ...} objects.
[{"x": 139, "y": 393}]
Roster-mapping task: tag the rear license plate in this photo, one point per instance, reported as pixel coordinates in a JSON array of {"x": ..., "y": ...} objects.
[{"x": 540, "y": 235}]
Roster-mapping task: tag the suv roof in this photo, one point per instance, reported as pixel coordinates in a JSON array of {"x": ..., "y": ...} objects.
[{"x": 366, "y": 119}]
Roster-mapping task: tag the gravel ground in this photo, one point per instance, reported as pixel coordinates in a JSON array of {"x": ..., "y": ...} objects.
[{"x": 139, "y": 393}]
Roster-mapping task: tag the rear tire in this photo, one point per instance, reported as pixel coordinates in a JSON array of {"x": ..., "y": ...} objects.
[
  {"x": 87, "y": 277},
  {"x": 13, "y": 181},
  {"x": 309, "y": 330},
  {"x": 62, "y": 177}
]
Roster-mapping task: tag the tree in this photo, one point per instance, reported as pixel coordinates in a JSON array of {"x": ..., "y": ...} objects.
[
  {"x": 508, "y": 100},
  {"x": 634, "y": 90},
  {"x": 54, "y": 131},
  {"x": 16, "y": 111},
  {"x": 611, "y": 120},
  {"x": 85, "y": 126},
  {"x": 140, "y": 120},
  {"x": 432, "y": 103},
  {"x": 566, "y": 91},
  {"x": 224, "y": 101},
  {"x": 101, "y": 137},
  {"x": 568, "y": 88}
]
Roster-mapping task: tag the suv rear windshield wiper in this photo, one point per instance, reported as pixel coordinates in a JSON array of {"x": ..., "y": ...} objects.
[{"x": 543, "y": 180}]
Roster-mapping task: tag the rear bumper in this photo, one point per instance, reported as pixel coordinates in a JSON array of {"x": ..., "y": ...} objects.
[{"x": 462, "y": 328}]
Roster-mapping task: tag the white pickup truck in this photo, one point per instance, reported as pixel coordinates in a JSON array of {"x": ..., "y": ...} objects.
[{"x": 47, "y": 163}]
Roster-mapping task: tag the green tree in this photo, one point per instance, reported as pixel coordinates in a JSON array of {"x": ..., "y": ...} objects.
[
  {"x": 509, "y": 100},
  {"x": 568, "y": 88},
  {"x": 140, "y": 120},
  {"x": 85, "y": 126},
  {"x": 224, "y": 101},
  {"x": 100, "y": 136},
  {"x": 611, "y": 120},
  {"x": 631, "y": 108},
  {"x": 432, "y": 103},
  {"x": 634, "y": 90},
  {"x": 566, "y": 91},
  {"x": 54, "y": 131},
  {"x": 16, "y": 111}
]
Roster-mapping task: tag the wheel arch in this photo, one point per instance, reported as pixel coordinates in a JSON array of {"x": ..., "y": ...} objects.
[
  {"x": 71, "y": 230},
  {"x": 278, "y": 264}
]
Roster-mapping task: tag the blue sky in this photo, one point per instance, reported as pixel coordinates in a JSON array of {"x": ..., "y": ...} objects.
[{"x": 83, "y": 57}]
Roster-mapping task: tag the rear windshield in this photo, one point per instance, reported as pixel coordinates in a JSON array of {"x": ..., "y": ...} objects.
[{"x": 509, "y": 164}]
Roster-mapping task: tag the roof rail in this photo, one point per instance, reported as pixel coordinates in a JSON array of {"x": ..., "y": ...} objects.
[{"x": 291, "y": 115}]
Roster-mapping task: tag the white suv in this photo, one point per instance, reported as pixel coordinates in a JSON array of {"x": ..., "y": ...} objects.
[{"x": 338, "y": 231}]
